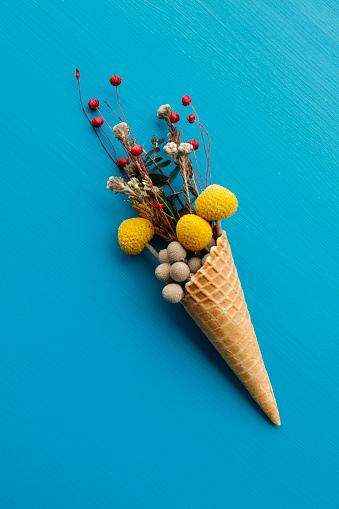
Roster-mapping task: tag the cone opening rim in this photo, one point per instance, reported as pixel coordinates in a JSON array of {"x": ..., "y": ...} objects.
[{"x": 201, "y": 270}]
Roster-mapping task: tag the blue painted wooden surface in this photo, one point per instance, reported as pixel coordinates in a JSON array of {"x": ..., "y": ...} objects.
[{"x": 110, "y": 397}]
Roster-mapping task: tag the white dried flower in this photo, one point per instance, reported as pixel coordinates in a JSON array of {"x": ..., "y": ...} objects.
[
  {"x": 164, "y": 111},
  {"x": 118, "y": 185},
  {"x": 185, "y": 148},
  {"x": 137, "y": 187},
  {"x": 143, "y": 188},
  {"x": 134, "y": 184},
  {"x": 171, "y": 149},
  {"x": 121, "y": 131},
  {"x": 149, "y": 188},
  {"x": 112, "y": 185}
]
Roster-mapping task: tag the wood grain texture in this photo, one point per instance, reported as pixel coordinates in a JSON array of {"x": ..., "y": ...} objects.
[{"x": 110, "y": 397}]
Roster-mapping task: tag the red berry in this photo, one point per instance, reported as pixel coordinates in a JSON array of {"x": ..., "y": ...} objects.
[
  {"x": 122, "y": 162},
  {"x": 77, "y": 74},
  {"x": 174, "y": 117},
  {"x": 191, "y": 118},
  {"x": 115, "y": 80},
  {"x": 195, "y": 144},
  {"x": 136, "y": 150},
  {"x": 97, "y": 121},
  {"x": 186, "y": 100},
  {"x": 93, "y": 104}
]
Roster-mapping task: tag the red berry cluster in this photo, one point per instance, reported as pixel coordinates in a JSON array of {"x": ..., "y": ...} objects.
[{"x": 135, "y": 151}]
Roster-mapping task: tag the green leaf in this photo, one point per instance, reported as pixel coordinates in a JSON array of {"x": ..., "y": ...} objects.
[
  {"x": 175, "y": 212},
  {"x": 158, "y": 180},
  {"x": 160, "y": 165},
  {"x": 153, "y": 151},
  {"x": 163, "y": 164},
  {"x": 156, "y": 160},
  {"x": 183, "y": 211},
  {"x": 164, "y": 196},
  {"x": 174, "y": 174},
  {"x": 167, "y": 208},
  {"x": 154, "y": 140},
  {"x": 161, "y": 141}
]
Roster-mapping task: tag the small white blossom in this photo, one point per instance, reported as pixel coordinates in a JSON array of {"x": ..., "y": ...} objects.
[
  {"x": 121, "y": 131},
  {"x": 143, "y": 188},
  {"x": 149, "y": 188},
  {"x": 134, "y": 184},
  {"x": 185, "y": 148},
  {"x": 111, "y": 183},
  {"x": 164, "y": 111},
  {"x": 171, "y": 149}
]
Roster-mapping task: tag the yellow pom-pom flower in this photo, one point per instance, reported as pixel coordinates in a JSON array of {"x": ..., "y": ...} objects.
[
  {"x": 216, "y": 202},
  {"x": 193, "y": 232},
  {"x": 133, "y": 234}
]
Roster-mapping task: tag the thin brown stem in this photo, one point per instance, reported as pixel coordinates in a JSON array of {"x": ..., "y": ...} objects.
[
  {"x": 184, "y": 173},
  {"x": 123, "y": 114},
  {"x": 202, "y": 180},
  {"x": 89, "y": 120},
  {"x": 116, "y": 157}
]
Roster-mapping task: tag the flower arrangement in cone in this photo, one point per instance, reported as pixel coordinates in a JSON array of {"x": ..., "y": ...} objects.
[{"x": 197, "y": 267}]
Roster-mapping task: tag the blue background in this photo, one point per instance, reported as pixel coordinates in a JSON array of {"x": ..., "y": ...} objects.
[{"x": 111, "y": 397}]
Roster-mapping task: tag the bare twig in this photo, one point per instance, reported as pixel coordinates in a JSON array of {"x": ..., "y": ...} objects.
[
  {"x": 152, "y": 250},
  {"x": 218, "y": 226}
]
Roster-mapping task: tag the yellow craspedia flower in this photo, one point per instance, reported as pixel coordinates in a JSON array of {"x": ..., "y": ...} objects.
[
  {"x": 216, "y": 202},
  {"x": 193, "y": 232},
  {"x": 134, "y": 233}
]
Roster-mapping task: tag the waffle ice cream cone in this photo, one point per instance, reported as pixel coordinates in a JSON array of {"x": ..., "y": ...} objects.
[{"x": 216, "y": 302}]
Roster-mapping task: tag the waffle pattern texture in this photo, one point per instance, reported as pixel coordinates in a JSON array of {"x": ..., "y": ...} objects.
[{"x": 216, "y": 302}]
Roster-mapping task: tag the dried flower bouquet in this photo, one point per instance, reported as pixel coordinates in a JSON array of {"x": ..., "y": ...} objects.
[{"x": 197, "y": 268}]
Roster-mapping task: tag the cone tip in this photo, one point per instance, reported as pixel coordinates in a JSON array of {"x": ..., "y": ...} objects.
[
  {"x": 274, "y": 416},
  {"x": 277, "y": 420}
]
